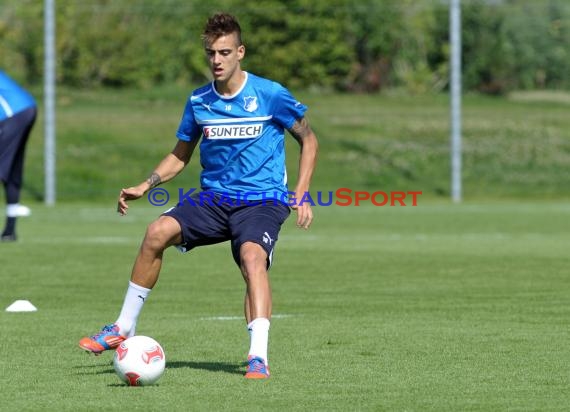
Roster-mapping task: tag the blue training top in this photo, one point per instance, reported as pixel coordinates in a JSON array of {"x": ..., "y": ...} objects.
[
  {"x": 13, "y": 98},
  {"x": 243, "y": 147}
]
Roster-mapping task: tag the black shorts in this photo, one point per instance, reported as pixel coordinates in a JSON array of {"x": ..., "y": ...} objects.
[
  {"x": 215, "y": 221},
  {"x": 14, "y": 133}
]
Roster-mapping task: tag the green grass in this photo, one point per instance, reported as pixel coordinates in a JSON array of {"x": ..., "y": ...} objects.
[{"x": 437, "y": 307}]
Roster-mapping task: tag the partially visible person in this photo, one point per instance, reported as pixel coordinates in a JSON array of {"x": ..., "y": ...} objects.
[{"x": 18, "y": 112}]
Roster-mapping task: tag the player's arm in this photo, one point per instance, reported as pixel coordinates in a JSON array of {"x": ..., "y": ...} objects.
[
  {"x": 307, "y": 139},
  {"x": 168, "y": 168}
]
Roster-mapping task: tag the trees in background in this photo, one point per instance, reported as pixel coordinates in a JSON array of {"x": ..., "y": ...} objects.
[{"x": 351, "y": 45}]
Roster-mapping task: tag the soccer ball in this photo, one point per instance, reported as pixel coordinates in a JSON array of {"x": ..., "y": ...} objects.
[{"x": 139, "y": 361}]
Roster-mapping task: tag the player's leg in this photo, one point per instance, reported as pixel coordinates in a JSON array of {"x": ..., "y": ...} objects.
[
  {"x": 160, "y": 234},
  {"x": 14, "y": 135},
  {"x": 255, "y": 230},
  {"x": 187, "y": 225},
  {"x": 253, "y": 265}
]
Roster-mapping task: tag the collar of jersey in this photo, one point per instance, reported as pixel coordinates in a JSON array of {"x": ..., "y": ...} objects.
[{"x": 233, "y": 95}]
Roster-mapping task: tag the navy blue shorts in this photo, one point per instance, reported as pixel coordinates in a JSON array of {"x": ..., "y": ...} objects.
[
  {"x": 214, "y": 221},
  {"x": 14, "y": 133}
]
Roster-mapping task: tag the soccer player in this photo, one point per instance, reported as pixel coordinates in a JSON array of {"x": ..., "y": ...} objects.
[
  {"x": 17, "y": 116},
  {"x": 239, "y": 119}
]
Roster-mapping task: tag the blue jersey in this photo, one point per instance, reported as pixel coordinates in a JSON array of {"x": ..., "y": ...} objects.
[
  {"x": 13, "y": 99},
  {"x": 243, "y": 146}
]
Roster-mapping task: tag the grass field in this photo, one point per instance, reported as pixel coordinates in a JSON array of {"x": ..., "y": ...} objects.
[{"x": 437, "y": 307}]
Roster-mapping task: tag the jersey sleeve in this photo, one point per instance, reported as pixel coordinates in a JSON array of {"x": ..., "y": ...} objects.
[
  {"x": 286, "y": 108},
  {"x": 188, "y": 129}
]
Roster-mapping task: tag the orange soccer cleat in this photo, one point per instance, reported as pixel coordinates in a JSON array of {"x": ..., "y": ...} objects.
[
  {"x": 256, "y": 368},
  {"x": 108, "y": 338}
]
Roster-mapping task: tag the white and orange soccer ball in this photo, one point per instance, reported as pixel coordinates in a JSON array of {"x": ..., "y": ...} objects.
[{"x": 139, "y": 361}]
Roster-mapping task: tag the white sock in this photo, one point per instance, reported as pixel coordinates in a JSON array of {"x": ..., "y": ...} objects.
[
  {"x": 11, "y": 210},
  {"x": 17, "y": 210},
  {"x": 132, "y": 306},
  {"x": 259, "y": 338}
]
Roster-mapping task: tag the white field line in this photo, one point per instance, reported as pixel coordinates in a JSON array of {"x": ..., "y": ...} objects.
[{"x": 278, "y": 316}]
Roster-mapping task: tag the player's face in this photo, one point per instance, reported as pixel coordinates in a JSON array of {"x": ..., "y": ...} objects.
[{"x": 224, "y": 55}]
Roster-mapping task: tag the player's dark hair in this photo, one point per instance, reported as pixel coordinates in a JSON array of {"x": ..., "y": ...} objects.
[{"x": 219, "y": 25}]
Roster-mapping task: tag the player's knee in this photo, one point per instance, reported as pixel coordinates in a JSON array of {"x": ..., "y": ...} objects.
[
  {"x": 253, "y": 259},
  {"x": 156, "y": 237}
]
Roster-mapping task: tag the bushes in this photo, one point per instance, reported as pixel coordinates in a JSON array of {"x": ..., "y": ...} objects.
[{"x": 354, "y": 45}]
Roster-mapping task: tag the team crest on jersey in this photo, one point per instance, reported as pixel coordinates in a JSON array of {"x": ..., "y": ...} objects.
[{"x": 250, "y": 103}]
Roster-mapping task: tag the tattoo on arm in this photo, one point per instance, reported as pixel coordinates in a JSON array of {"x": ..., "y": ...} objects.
[
  {"x": 154, "y": 180},
  {"x": 300, "y": 129}
]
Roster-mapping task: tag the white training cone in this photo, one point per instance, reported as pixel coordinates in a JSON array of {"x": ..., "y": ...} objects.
[{"x": 21, "y": 306}]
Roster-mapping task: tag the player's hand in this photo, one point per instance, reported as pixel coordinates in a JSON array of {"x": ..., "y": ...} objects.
[
  {"x": 304, "y": 215},
  {"x": 131, "y": 193}
]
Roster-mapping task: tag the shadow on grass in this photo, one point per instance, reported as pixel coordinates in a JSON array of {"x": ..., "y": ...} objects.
[
  {"x": 233, "y": 368},
  {"x": 85, "y": 371},
  {"x": 209, "y": 366}
]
